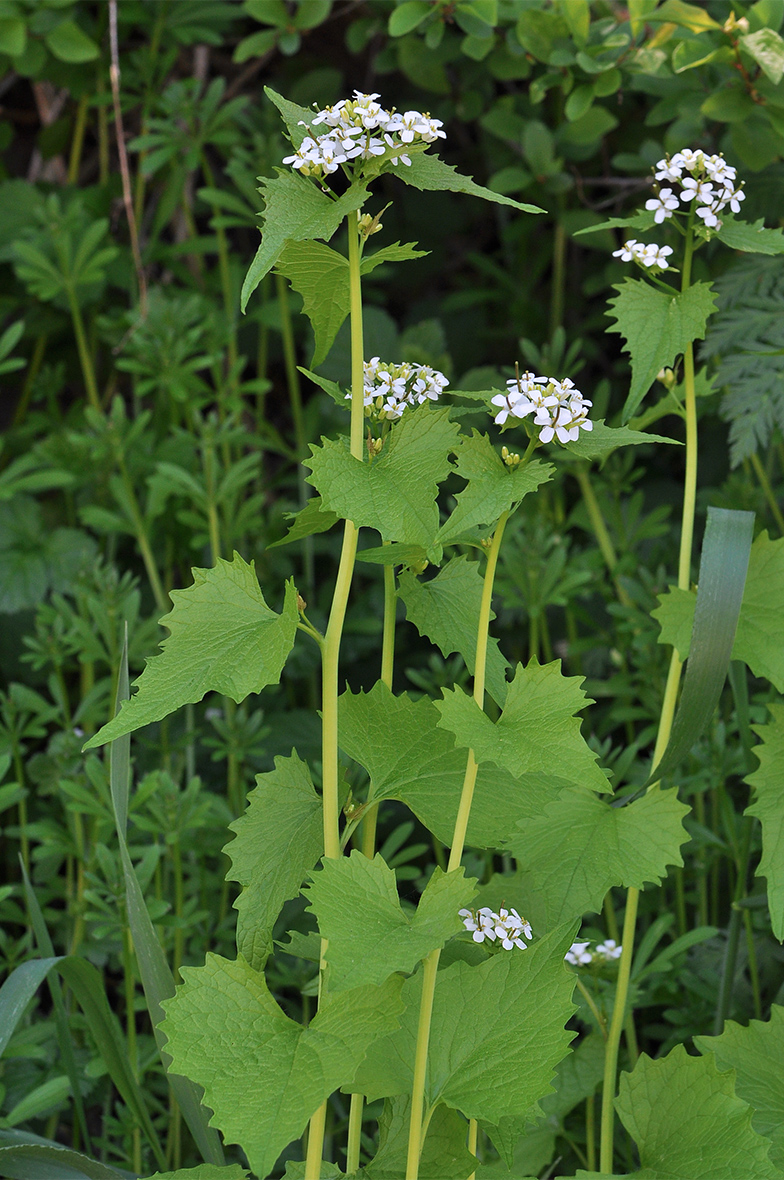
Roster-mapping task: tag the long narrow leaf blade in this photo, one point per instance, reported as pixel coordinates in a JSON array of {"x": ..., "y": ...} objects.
[
  {"x": 46, "y": 947},
  {"x": 723, "y": 565},
  {"x": 157, "y": 979},
  {"x": 17, "y": 992},
  {"x": 35, "y": 1161},
  {"x": 87, "y": 986}
]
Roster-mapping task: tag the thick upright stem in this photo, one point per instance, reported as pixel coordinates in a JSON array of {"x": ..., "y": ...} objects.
[
  {"x": 430, "y": 970},
  {"x": 331, "y": 648},
  {"x": 663, "y": 736}
]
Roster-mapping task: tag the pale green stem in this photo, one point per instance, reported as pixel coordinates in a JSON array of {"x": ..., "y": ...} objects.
[
  {"x": 88, "y": 372},
  {"x": 416, "y": 1129},
  {"x": 600, "y": 530},
  {"x": 762, "y": 476},
  {"x": 78, "y": 138},
  {"x": 665, "y": 726},
  {"x": 369, "y": 822},
  {"x": 332, "y": 637}
]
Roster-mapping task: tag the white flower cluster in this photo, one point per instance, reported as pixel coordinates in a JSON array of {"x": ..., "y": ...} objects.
[
  {"x": 360, "y": 129},
  {"x": 579, "y": 955},
  {"x": 709, "y": 181},
  {"x": 390, "y": 388},
  {"x": 557, "y": 406},
  {"x": 506, "y": 925},
  {"x": 651, "y": 255}
]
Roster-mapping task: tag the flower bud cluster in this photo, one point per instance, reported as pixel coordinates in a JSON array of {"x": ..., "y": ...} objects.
[
  {"x": 606, "y": 952},
  {"x": 360, "y": 129},
  {"x": 507, "y": 926},
  {"x": 651, "y": 255},
  {"x": 558, "y": 407},
  {"x": 390, "y": 388},
  {"x": 709, "y": 181}
]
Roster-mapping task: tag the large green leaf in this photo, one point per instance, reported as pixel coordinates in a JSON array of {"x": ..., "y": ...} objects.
[
  {"x": 444, "y": 1154},
  {"x": 50, "y": 1161},
  {"x": 755, "y": 1053},
  {"x": 492, "y": 487},
  {"x": 369, "y": 935},
  {"x": 408, "y": 757},
  {"x": 446, "y": 610},
  {"x": 688, "y": 1123},
  {"x": 657, "y": 327},
  {"x": 430, "y": 173},
  {"x": 496, "y": 1036},
  {"x": 396, "y": 493},
  {"x": 224, "y": 638},
  {"x": 537, "y": 730},
  {"x": 263, "y": 1074},
  {"x": 580, "y": 847},
  {"x": 278, "y": 841},
  {"x": 296, "y": 210},
  {"x": 768, "y": 806},
  {"x": 759, "y": 640},
  {"x": 204, "y": 1172}
]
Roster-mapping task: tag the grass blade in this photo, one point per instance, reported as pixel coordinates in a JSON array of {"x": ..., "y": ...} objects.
[
  {"x": 157, "y": 979},
  {"x": 723, "y": 565},
  {"x": 17, "y": 992},
  {"x": 45, "y": 947}
]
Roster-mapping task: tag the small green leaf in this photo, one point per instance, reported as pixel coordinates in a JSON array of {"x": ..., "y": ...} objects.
[
  {"x": 70, "y": 43},
  {"x": 320, "y": 275},
  {"x": 431, "y": 174},
  {"x": 224, "y": 638},
  {"x": 407, "y": 16},
  {"x": 497, "y": 1033},
  {"x": 278, "y": 840},
  {"x": 600, "y": 442},
  {"x": 492, "y": 487},
  {"x": 309, "y": 520},
  {"x": 751, "y": 237},
  {"x": 642, "y": 221},
  {"x": 445, "y": 610},
  {"x": 337, "y": 394},
  {"x": 537, "y": 730},
  {"x": 396, "y": 493},
  {"x": 369, "y": 936},
  {"x": 394, "y": 253},
  {"x": 768, "y": 807},
  {"x": 690, "y": 16},
  {"x": 579, "y": 101},
  {"x": 397, "y": 554},
  {"x": 263, "y": 1074},
  {"x": 755, "y": 1053},
  {"x": 725, "y": 559},
  {"x": 13, "y": 36},
  {"x": 686, "y": 1120},
  {"x": 767, "y": 48},
  {"x": 657, "y": 327}
]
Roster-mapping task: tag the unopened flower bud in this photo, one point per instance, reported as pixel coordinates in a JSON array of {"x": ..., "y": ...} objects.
[
  {"x": 302, "y": 606},
  {"x": 510, "y": 458},
  {"x": 735, "y": 24},
  {"x": 667, "y": 378}
]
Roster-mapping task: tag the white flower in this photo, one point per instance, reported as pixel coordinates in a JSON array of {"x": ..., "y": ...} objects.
[
  {"x": 663, "y": 204},
  {"x": 578, "y": 954},
  {"x": 654, "y": 255},
  {"x": 718, "y": 169},
  {"x": 670, "y": 169},
  {"x": 390, "y": 388},
  {"x": 735, "y": 199},
  {"x": 506, "y": 926},
  {"x": 709, "y": 217},
  {"x": 609, "y": 949},
  {"x": 701, "y": 189},
  {"x": 691, "y": 159},
  {"x": 627, "y": 251}
]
